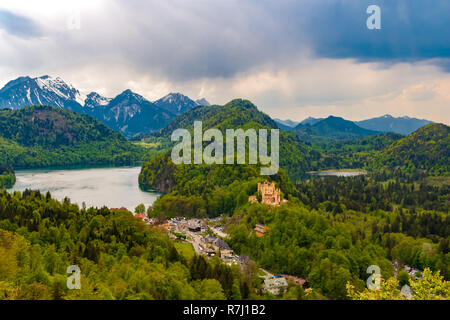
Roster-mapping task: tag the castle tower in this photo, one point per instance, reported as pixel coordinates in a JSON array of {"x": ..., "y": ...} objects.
[{"x": 270, "y": 194}]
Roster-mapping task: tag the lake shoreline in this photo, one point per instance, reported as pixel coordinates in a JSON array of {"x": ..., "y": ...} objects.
[
  {"x": 113, "y": 187},
  {"x": 338, "y": 173},
  {"x": 80, "y": 166}
]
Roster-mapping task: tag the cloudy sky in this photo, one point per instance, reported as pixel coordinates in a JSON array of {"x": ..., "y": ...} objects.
[{"x": 293, "y": 59}]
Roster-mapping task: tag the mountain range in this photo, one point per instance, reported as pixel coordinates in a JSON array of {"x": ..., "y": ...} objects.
[
  {"x": 334, "y": 128},
  {"x": 387, "y": 123},
  {"x": 129, "y": 112},
  {"x": 132, "y": 114},
  {"x": 286, "y": 124}
]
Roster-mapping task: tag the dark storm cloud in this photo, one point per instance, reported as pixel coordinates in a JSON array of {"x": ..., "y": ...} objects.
[
  {"x": 18, "y": 25},
  {"x": 179, "y": 40},
  {"x": 411, "y": 30},
  {"x": 190, "y": 39}
]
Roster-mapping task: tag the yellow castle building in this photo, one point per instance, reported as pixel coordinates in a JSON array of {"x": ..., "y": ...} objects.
[{"x": 269, "y": 194}]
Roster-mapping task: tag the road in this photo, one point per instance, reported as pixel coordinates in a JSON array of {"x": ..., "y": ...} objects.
[
  {"x": 219, "y": 233},
  {"x": 267, "y": 274},
  {"x": 195, "y": 242}
]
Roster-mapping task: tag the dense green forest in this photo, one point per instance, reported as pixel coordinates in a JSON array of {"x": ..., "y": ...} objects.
[
  {"x": 41, "y": 136},
  {"x": 426, "y": 150},
  {"x": 120, "y": 256},
  {"x": 352, "y": 154},
  {"x": 365, "y": 194},
  {"x": 332, "y": 247},
  {"x": 7, "y": 177},
  {"x": 211, "y": 190}
]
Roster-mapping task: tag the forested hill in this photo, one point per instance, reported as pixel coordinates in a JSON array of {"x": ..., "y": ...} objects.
[
  {"x": 215, "y": 189},
  {"x": 330, "y": 129},
  {"x": 43, "y": 136},
  {"x": 295, "y": 157},
  {"x": 426, "y": 149},
  {"x": 52, "y": 127},
  {"x": 237, "y": 113}
]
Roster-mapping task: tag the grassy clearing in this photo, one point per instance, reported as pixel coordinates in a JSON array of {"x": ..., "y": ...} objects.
[
  {"x": 151, "y": 145},
  {"x": 185, "y": 249},
  {"x": 438, "y": 181}
]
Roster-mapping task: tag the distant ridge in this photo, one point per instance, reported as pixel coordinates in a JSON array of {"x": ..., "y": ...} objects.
[
  {"x": 286, "y": 124},
  {"x": 387, "y": 123},
  {"x": 331, "y": 128},
  {"x": 311, "y": 121}
]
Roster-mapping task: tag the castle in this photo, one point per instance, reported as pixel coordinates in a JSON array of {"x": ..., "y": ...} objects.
[{"x": 269, "y": 194}]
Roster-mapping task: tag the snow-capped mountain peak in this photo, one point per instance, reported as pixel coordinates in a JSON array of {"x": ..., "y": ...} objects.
[
  {"x": 94, "y": 99},
  {"x": 128, "y": 94},
  {"x": 176, "y": 103},
  {"x": 60, "y": 88},
  {"x": 25, "y": 91}
]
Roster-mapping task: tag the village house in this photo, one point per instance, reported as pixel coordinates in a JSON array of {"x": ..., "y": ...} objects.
[
  {"x": 261, "y": 230},
  {"x": 192, "y": 225},
  {"x": 270, "y": 195},
  {"x": 276, "y": 285},
  {"x": 298, "y": 281},
  {"x": 215, "y": 246},
  {"x": 195, "y": 226},
  {"x": 140, "y": 216}
]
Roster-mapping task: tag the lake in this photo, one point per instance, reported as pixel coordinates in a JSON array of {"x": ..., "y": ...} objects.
[
  {"x": 338, "y": 173},
  {"x": 112, "y": 187}
]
